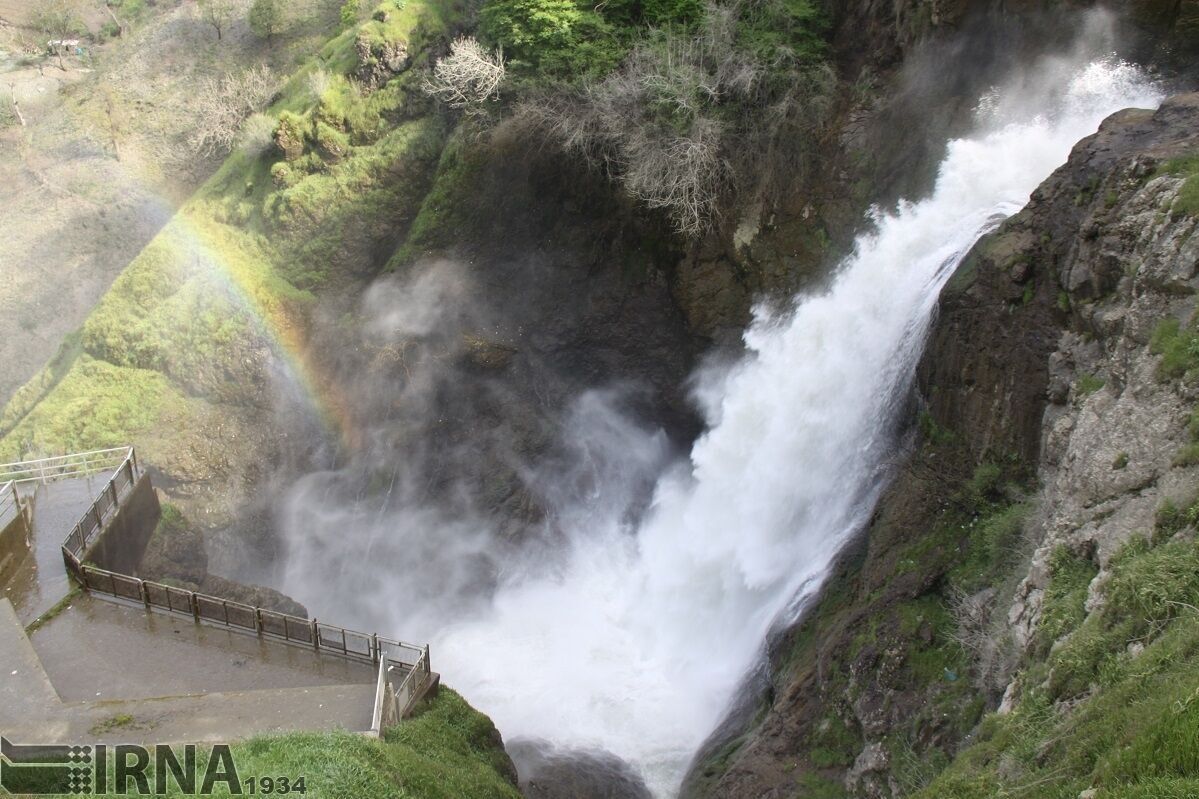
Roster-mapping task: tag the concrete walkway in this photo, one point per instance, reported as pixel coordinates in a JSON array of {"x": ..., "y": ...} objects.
[
  {"x": 100, "y": 670},
  {"x": 41, "y": 579},
  {"x": 31, "y": 710},
  {"x": 98, "y": 649}
]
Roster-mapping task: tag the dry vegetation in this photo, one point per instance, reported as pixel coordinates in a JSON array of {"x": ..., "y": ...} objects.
[
  {"x": 223, "y": 103},
  {"x": 691, "y": 118},
  {"x": 468, "y": 77}
]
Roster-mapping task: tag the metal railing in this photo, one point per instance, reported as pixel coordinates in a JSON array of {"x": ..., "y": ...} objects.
[
  {"x": 101, "y": 511},
  {"x": 78, "y": 464},
  {"x": 10, "y": 503},
  {"x": 321, "y": 637},
  {"x": 392, "y": 700}
]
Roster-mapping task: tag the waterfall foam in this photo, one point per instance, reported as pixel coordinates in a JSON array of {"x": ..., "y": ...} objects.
[{"x": 636, "y": 644}]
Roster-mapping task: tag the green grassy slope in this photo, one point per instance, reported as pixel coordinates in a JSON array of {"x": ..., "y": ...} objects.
[
  {"x": 186, "y": 327},
  {"x": 1114, "y": 707},
  {"x": 446, "y": 751}
]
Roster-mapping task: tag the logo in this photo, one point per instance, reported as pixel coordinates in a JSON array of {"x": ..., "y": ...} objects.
[{"x": 125, "y": 769}]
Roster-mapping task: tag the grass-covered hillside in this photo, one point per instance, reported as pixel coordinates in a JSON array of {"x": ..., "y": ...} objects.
[
  {"x": 1113, "y": 707},
  {"x": 445, "y": 751},
  {"x": 347, "y": 169},
  {"x": 185, "y": 339}
]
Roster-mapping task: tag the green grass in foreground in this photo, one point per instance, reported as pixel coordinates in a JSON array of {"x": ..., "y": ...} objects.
[{"x": 447, "y": 751}]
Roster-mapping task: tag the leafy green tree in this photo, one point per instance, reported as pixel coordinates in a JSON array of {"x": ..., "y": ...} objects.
[
  {"x": 266, "y": 18},
  {"x": 349, "y": 13},
  {"x": 529, "y": 29}
]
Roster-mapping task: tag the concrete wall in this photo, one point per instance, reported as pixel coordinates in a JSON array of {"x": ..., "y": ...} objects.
[
  {"x": 14, "y": 544},
  {"x": 121, "y": 546}
]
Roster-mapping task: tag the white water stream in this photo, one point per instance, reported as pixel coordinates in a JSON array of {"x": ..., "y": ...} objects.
[{"x": 638, "y": 643}]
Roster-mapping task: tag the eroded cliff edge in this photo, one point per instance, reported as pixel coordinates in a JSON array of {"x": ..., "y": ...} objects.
[{"x": 1020, "y": 613}]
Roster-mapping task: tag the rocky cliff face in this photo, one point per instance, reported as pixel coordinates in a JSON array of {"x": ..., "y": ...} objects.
[{"x": 1056, "y": 391}]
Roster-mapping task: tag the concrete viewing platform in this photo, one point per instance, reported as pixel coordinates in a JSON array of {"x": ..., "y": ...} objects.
[
  {"x": 218, "y": 695},
  {"x": 41, "y": 580},
  {"x": 130, "y": 660}
]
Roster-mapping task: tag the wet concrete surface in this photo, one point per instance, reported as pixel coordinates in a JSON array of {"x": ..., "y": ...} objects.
[
  {"x": 41, "y": 579},
  {"x": 97, "y": 650},
  {"x": 31, "y": 711},
  {"x": 164, "y": 678},
  {"x": 25, "y": 691}
]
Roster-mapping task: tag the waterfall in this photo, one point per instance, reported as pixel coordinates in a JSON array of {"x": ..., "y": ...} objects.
[
  {"x": 637, "y": 647},
  {"x": 637, "y": 642}
]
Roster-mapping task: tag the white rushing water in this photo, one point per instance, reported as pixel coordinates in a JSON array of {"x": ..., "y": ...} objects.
[{"x": 637, "y": 644}]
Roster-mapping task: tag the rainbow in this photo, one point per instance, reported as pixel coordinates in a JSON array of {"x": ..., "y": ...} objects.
[{"x": 233, "y": 260}]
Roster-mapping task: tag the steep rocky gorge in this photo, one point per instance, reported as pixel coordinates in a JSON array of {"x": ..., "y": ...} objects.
[
  {"x": 467, "y": 289},
  {"x": 1052, "y": 429}
]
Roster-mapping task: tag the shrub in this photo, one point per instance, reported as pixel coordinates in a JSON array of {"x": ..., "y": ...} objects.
[
  {"x": 529, "y": 29},
  {"x": 266, "y": 18},
  {"x": 467, "y": 77},
  {"x": 984, "y": 484},
  {"x": 318, "y": 83},
  {"x": 348, "y": 15},
  {"x": 222, "y": 104},
  {"x": 1178, "y": 347},
  {"x": 689, "y": 118},
  {"x": 257, "y": 135}
]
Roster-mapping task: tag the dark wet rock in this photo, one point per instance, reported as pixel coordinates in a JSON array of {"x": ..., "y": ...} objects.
[{"x": 547, "y": 772}]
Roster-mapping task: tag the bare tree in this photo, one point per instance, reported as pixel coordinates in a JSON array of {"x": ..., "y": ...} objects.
[
  {"x": 972, "y": 619},
  {"x": 16, "y": 106},
  {"x": 468, "y": 77},
  {"x": 222, "y": 105},
  {"x": 59, "y": 20},
  {"x": 115, "y": 119},
  {"x": 217, "y": 13},
  {"x": 653, "y": 124}
]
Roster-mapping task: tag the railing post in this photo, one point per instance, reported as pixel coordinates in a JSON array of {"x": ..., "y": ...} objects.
[
  {"x": 375, "y": 654},
  {"x": 258, "y": 620},
  {"x": 195, "y": 605},
  {"x": 316, "y": 637}
]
